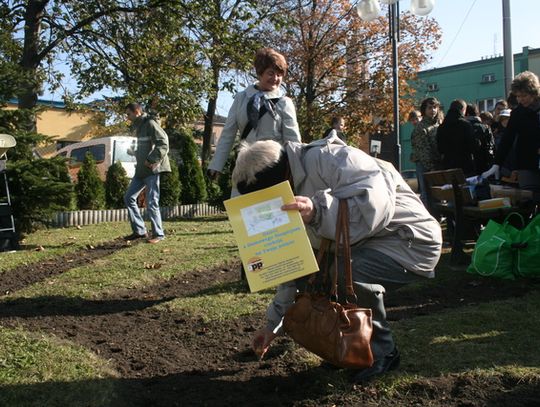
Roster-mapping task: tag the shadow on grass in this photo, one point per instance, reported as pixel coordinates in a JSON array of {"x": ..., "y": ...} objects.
[
  {"x": 75, "y": 306},
  {"x": 451, "y": 289},
  {"x": 214, "y": 388},
  {"x": 194, "y": 388}
]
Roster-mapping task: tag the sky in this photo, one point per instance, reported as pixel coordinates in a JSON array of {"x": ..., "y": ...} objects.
[{"x": 471, "y": 30}]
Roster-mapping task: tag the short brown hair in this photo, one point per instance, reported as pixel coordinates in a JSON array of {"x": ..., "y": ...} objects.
[
  {"x": 270, "y": 58},
  {"x": 133, "y": 107},
  {"x": 526, "y": 82}
]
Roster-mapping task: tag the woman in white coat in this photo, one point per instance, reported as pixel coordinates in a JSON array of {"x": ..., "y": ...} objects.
[{"x": 260, "y": 112}]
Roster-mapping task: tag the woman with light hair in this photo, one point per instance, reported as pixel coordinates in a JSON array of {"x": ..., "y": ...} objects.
[
  {"x": 524, "y": 129},
  {"x": 260, "y": 112},
  {"x": 394, "y": 239}
]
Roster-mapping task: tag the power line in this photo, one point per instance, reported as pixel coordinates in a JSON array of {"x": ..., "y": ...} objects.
[{"x": 458, "y": 31}]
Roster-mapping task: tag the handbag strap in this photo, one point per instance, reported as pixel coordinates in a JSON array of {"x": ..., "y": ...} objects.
[{"x": 343, "y": 242}]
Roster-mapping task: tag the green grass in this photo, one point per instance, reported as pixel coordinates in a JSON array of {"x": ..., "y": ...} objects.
[
  {"x": 222, "y": 303},
  {"x": 481, "y": 342},
  {"x": 188, "y": 246},
  {"x": 27, "y": 359},
  {"x": 49, "y": 243},
  {"x": 499, "y": 335}
]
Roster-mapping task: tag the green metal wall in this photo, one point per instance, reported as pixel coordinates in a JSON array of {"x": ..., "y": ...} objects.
[{"x": 463, "y": 81}]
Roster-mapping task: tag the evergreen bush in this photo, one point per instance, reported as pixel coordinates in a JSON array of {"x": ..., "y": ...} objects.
[
  {"x": 221, "y": 188},
  {"x": 89, "y": 188},
  {"x": 116, "y": 184},
  {"x": 38, "y": 188},
  {"x": 191, "y": 175},
  {"x": 170, "y": 187}
]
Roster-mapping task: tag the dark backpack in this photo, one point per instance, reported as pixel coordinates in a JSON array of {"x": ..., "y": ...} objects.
[{"x": 484, "y": 146}]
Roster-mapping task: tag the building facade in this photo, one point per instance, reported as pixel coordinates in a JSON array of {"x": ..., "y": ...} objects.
[{"x": 479, "y": 82}]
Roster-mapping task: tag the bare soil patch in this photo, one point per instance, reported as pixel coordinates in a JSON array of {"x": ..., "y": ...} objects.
[{"x": 165, "y": 359}]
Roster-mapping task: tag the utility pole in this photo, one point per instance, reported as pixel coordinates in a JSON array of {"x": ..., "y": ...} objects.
[{"x": 507, "y": 44}]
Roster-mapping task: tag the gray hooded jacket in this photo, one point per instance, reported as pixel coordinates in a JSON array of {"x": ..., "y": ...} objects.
[{"x": 384, "y": 213}]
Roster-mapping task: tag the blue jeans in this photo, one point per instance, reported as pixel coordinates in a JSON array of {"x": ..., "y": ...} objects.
[
  {"x": 421, "y": 183},
  {"x": 152, "y": 204}
]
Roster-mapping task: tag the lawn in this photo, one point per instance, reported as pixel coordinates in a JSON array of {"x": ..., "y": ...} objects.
[{"x": 88, "y": 320}]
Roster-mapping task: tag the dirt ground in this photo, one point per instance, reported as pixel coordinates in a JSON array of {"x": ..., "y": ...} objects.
[{"x": 167, "y": 360}]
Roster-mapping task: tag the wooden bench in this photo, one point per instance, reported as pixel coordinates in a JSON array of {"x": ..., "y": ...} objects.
[{"x": 449, "y": 196}]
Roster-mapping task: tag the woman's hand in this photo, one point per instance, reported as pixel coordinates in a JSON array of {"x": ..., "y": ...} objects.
[
  {"x": 261, "y": 341},
  {"x": 304, "y": 205}
]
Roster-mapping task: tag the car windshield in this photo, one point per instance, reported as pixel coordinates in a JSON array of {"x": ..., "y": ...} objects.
[
  {"x": 97, "y": 151},
  {"x": 121, "y": 150}
]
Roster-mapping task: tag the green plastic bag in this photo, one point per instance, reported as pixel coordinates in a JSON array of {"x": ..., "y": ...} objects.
[
  {"x": 493, "y": 254},
  {"x": 527, "y": 262}
]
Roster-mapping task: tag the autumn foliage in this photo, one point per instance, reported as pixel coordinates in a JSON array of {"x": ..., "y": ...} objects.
[{"x": 341, "y": 65}]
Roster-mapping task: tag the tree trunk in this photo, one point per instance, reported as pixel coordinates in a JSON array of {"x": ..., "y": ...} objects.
[
  {"x": 27, "y": 98},
  {"x": 210, "y": 113}
]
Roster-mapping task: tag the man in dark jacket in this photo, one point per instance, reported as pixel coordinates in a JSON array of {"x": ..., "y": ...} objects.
[
  {"x": 483, "y": 138},
  {"x": 151, "y": 154},
  {"x": 455, "y": 140}
]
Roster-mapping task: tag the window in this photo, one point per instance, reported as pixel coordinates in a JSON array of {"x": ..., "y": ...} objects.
[
  {"x": 488, "y": 78},
  {"x": 486, "y": 105},
  {"x": 97, "y": 151},
  {"x": 121, "y": 151},
  {"x": 432, "y": 87}
]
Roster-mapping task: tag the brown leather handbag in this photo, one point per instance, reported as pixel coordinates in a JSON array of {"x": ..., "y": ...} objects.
[{"x": 340, "y": 334}]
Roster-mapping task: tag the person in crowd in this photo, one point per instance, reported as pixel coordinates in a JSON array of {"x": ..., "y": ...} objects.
[
  {"x": 394, "y": 239},
  {"x": 152, "y": 160},
  {"x": 260, "y": 112},
  {"x": 424, "y": 143},
  {"x": 414, "y": 117},
  {"x": 337, "y": 124},
  {"x": 496, "y": 127},
  {"x": 484, "y": 145},
  {"x": 522, "y": 133},
  {"x": 455, "y": 139},
  {"x": 486, "y": 118},
  {"x": 507, "y": 171}
]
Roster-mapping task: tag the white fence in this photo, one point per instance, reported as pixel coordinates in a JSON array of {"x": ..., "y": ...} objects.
[{"x": 91, "y": 217}]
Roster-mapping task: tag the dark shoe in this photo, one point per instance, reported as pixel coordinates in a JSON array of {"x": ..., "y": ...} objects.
[
  {"x": 380, "y": 367},
  {"x": 134, "y": 236}
]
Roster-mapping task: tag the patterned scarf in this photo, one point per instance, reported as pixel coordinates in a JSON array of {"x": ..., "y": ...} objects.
[{"x": 257, "y": 106}]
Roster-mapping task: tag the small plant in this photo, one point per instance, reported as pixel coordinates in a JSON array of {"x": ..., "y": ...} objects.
[
  {"x": 116, "y": 184},
  {"x": 89, "y": 188},
  {"x": 39, "y": 188},
  {"x": 191, "y": 175},
  {"x": 170, "y": 187}
]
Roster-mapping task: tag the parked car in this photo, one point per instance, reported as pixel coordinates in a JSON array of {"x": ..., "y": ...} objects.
[
  {"x": 410, "y": 178},
  {"x": 105, "y": 150}
]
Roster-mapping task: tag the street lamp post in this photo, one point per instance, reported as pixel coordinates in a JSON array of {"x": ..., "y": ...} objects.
[{"x": 369, "y": 10}]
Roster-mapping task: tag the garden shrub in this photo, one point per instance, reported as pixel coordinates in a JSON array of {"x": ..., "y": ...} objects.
[
  {"x": 191, "y": 175},
  {"x": 116, "y": 184},
  {"x": 38, "y": 188},
  {"x": 89, "y": 188},
  {"x": 170, "y": 187}
]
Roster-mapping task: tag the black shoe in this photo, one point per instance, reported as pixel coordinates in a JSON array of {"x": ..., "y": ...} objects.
[
  {"x": 134, "y": 236},
  {"x": 380, "y": 367}
]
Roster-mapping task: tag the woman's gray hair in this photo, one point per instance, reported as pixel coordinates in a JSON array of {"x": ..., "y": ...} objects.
[{"x": 253, "y": 158}]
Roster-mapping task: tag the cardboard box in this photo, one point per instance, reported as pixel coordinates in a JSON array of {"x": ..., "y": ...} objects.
[
  {"x": 494, "y": 203},
  {"x": 516, "y": 195}
]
